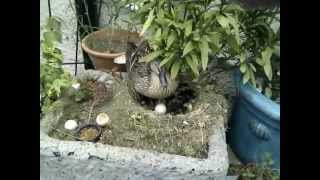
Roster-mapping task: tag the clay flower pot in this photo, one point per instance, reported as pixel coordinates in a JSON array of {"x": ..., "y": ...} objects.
[{"x": 105, "y": 45}]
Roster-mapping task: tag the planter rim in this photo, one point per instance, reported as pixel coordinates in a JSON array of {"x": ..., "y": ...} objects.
[
  {"x": 100, "y": 54},
  {"x": 264, "y": 104}
]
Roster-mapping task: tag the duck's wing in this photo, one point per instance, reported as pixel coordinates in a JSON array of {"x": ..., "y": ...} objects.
[{"x": 131, "y": 48}]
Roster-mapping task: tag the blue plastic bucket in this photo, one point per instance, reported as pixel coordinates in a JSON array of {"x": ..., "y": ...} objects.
[{"x": 254, "y": 129}]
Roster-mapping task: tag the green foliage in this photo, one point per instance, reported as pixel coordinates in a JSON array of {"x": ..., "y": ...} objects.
[
  {"x": 53, "y": 78},
  {"x": 256, "y": 171},
  {"x": 260, "y": 51},
  {"x": 182, "y": 34}
]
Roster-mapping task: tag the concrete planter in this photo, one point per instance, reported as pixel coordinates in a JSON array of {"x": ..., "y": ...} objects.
[{"x": 85, "y": 160}]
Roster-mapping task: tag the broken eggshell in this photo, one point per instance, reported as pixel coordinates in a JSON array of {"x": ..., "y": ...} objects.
[
  {"x": 71, "y": 125},
  {"x": 102, "y": 119}
]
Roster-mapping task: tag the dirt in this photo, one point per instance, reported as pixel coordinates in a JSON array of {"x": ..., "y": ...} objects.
[
  {"x": 132, "y": 125},
  {"x": 252, "y": 172},
  {"x": 108, "y": 46},
  {"x": 178, "y": 103}
]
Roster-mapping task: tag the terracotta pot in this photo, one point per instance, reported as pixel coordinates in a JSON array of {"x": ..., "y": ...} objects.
[{"x": 98, "y": 43}]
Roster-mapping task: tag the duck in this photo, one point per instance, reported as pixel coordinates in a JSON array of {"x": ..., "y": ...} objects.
[{"x": 147, "y": 79}]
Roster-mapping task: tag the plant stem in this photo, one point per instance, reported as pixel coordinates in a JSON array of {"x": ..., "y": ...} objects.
[{"x": 91, "y": 109}]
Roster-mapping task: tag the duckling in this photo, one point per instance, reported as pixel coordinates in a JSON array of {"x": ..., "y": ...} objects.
[{"x": 147, "y": 79}]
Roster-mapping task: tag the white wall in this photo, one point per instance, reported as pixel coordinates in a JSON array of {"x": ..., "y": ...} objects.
[{"x": 65, "y": 10}]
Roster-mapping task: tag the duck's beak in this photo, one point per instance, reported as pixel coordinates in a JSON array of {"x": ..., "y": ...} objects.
[{"x": 163, "y": 78}]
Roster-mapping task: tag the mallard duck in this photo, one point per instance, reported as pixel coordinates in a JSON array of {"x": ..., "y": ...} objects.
[{"x": 147, "y": 79}]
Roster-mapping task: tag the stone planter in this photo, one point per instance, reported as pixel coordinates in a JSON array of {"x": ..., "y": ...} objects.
[{"x": 85, "y": 160}]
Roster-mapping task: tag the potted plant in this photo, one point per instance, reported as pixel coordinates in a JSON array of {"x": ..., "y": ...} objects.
[
  {"x": 255, "y": 123},
  {"x": 54, "y": 80},
  {"x": 108, "y": 43},
  {"x": 183, "y": 34}
]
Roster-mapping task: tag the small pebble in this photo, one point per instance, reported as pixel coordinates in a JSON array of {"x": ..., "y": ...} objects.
[
  {"x": 185, "y": 123},
  {"x": 102, "y": 78},
  {"x": 71, "y": 125},
  {"x": 102, "y": 119},
  {"x": 109, "y": 82}
]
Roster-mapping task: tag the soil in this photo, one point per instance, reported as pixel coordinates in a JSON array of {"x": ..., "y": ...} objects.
[
  {"x": 252, "y": 172},
  {"x": 185, "y": 95},
  {"x": 108, "y": 46},
  {"x": 182, "y": 132}
]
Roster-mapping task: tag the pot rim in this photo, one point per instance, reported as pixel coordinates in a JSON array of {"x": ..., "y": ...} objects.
[
  {"x": 101, "y": 54},
  {"x": 254, "y": 97}
]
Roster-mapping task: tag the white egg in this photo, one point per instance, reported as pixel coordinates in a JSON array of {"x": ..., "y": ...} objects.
[
  {"x": 102, "y": 119},
  {"x": 76, "y": 86},
  {"x": 161, "y": 109},
  {"x": 71, "y": 125}
]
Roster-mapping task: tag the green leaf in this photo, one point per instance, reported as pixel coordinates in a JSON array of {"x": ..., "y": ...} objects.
[
  {"x": 232, "y": 42},
  {"x": 195, "y": 59},
  {"x": 196, "y": 35},
  {"x": 193, "y": 65},
  {"x": 259, "y": 61},
  {"x": 172, "y": 37},
  {"x": 214, "y": 37},
  {"x": 232, "y": 7},
  {"x": 151, "y": 56},
  {"x": 252, "y": 67},
  {"x": 246, "y": 77},
  {"x": 268, "y": 70},
  {"x": 187, "y": 48},
  {"x": 243, "y": 68},
  {"x": 266, "y": 56},
  {"x": 167, "y": 59},
  {"x": 146, "y": 7},
  {"x": 277, "y": 50},
  {"x": 157, "y": 36},
  {"x": 165, "y": 33},
  {"x": 268, "y": 92},
  {"x": 188, "y": 28},
  {"x": 148, "y": 22},
  {"x": 204, "y": 50},
  {"x": 223, "y": 21},
  {"x": 52, "y": 36},
  {"x": 252, "y": 78},
  {"x": 175, "y": 69},
  {"x": 232, "y": 21},
  {"x": 242, "y": 58}
]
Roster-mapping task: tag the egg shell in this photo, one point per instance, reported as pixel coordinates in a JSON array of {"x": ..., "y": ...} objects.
[{"x": 71, "y": 125}]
